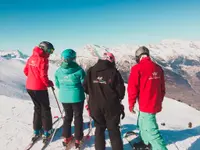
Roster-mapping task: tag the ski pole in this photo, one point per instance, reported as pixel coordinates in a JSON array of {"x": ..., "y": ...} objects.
[{"x": 57, "y": 101}]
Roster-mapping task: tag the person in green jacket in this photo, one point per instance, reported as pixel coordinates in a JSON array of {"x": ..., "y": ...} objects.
[{"x": 68, "y": 79}]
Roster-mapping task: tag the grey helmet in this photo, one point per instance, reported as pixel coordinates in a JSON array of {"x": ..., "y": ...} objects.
[
  {"x": 47, "y": 47},
  {"x": 141, "y": 51}
]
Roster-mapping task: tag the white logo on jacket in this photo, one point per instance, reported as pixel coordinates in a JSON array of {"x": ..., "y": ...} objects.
[
  {"x": 99, "y": 80},
  {"x": 154, "y": 76},
  {"x": 32, "y": 63}
]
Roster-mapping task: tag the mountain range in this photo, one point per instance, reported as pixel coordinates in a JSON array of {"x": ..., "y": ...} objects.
[{"x": 179, "y": 59}]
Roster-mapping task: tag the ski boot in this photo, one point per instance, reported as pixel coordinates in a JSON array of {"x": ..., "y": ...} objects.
[
  {"x": 47, "y": 135},
  {"x": 67, "y": 141},
  {"x": 37, "y": 134},
  {"x": 141, "y": 146},
  {"x": 78, "y": 144}
]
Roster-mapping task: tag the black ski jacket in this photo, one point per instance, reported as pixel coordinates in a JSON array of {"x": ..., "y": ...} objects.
[{"x": 105, "y": 87}]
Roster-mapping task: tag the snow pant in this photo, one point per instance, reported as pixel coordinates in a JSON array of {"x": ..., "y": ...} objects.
[
  {"x": 149, "y": 131},
  {"x": 77, "y": 110},
  {"x": 42, "y": 117},
  {"x": 112, "y": 124}
]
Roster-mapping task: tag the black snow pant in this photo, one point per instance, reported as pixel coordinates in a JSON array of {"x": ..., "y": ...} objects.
[
  {"x": 42, "y": 117},
  {"x": 76, "y": 110},
  {"x": 112, "y": 124}
]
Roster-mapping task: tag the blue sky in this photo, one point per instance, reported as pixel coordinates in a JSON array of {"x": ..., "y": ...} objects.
[{"x": 75, "y": 23}]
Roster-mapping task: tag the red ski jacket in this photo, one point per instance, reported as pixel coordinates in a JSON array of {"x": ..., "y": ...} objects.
[
  {"x": 36, "y": 70},
  {"x": 146, "y": 82}
]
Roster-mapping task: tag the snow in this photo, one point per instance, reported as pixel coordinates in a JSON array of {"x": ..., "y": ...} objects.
[
  {"x": 16, "y": 112},
  {"x": 166, "y": 49},
  {"x": 16, "y": 125}
]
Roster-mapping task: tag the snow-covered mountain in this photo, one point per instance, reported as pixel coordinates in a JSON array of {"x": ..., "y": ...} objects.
[
  {"x": 12, "y": 54},
  {"x": 180, "y": 60},
  {"x": 16, "y": 112}
]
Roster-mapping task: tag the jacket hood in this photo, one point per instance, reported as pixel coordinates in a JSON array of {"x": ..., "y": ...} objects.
[
  {"x": 39, "y": 52},
  {"x": 69, "y": 68},
  {"x": 103, "y": 65}
]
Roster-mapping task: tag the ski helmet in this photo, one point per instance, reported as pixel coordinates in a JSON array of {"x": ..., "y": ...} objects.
[
  {"x": 109, "y": 56},
  {"x": 47, "y": 47},
  {"x": 141, "y": 51},
  {"x": 68, "y": 55}
]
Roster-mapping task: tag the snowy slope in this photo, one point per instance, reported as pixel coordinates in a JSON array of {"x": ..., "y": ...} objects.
[
  {"x": 179, "y": 59},
  {"x": 16, "y": 125},
  {"x": 16, "y": 111},
  {"x": 12, "y": 78}
]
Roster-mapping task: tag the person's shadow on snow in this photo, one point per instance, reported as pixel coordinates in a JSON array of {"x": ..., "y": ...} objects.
[
  {"x": 195, "y": 145},
  {"x": 174, "y": 135},
  {"x": 170, "y": 136}
]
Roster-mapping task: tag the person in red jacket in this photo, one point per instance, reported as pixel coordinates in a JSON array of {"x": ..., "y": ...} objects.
[
  {"x": 146, "y": 83},
  {"x": 37, "y": 82}
]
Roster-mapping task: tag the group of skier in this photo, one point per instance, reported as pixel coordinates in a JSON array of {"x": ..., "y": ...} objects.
[{"x": 104, "y": 86}]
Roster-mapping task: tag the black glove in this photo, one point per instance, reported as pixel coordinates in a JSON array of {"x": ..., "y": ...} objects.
[{"x": 122, "y": 111}]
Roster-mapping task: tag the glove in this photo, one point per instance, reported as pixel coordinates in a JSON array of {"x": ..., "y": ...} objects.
[
  {"x": 50, "y": 83},
  {"x": 131, "y": 109},
  {"x": 122, "y": 111},
  {"x": 87, "y": 108}
]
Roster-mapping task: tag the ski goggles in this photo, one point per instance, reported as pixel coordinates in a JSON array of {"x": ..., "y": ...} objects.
[
  {"x": 107, "y": 57},
  {"x": 50, "y": 51},
  {"x": 68, "y": 60}
]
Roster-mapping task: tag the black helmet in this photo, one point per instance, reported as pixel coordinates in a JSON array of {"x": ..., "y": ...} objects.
[
  {"x": 141, "y": 51},
  {"x": 46, "y": 47}
]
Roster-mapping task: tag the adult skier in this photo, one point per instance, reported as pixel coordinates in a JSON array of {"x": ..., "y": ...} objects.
[
  {"x": 37, "y": 82},
  {"x": 105, "y": 87},
  {"x": 146, "y": 82},
  {"x": 68, "y": 79}
]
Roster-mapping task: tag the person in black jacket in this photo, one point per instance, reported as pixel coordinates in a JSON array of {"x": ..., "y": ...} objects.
[{"x": 105, "y": 87}]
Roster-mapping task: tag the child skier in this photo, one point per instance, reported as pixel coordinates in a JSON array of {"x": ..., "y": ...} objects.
[
  {"x": 36, "y": 70},
  {"x": 106, "y": 89},
  {"x": 146, "y": 82},
  {"x": 68, "y": 79}
]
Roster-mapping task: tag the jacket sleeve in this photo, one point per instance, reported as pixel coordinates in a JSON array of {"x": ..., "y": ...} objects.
[
  {"x": 82, "y": 76},
  {"x": 56, "y": 80},
  {"x": 26, "y": 69},
  {"x": 133, "y": 87},
  {"x": 120, "y": 87},
  {"x": 163, "y": 90},
  {"x": 44, "y": 66},
  {"x": 85, "y": 82}
]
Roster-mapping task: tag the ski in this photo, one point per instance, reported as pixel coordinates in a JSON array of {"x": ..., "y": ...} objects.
[
  {"x": 69, "y": 145},
  {"x": 86, "y": 137},
  {"x": 135, "y": 142},
  {"x": 31, "y": 144},
  {"x": 130, "y": 137},
  {"x": 47, "y": 141},
  {"x": 82, "y": 143}
]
